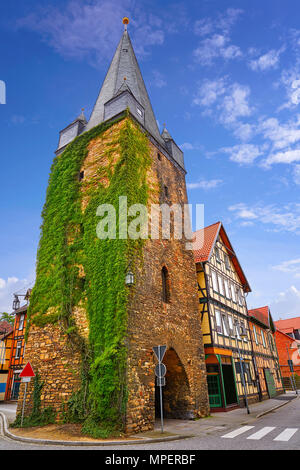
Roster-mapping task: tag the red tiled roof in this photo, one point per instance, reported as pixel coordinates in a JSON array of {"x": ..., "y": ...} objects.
[
  {"x": 261, "y": 314},
  {"x": 204, "y": 242},
  {"x": 5, "y": 328},
  {"x": 288, "y": 325}
]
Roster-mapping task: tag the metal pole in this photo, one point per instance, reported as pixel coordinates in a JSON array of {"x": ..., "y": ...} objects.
[
  {"x": 161, "y": 409},
  {"x": 23, "y": 408}
]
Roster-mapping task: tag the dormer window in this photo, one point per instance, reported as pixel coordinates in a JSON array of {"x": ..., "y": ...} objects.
[{"x": 139, "y": 111}]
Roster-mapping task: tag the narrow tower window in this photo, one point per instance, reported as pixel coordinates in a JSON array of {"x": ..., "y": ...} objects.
[{"x": 165, "y": 285}]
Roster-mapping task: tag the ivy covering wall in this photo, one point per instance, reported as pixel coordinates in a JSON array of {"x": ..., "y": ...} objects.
[{"x": 76, "y": 268}]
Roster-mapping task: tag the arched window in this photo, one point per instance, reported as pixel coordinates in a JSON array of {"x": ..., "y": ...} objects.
[{"x": 165, "y": 285}]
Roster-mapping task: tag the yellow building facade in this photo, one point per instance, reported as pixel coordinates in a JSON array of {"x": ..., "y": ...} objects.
[
  {"x": 5, "y": 351},
  {"x": 222, "y": 287}
]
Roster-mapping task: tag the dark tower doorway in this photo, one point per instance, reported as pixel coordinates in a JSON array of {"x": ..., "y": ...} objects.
[{"x": 176, "y": 392}]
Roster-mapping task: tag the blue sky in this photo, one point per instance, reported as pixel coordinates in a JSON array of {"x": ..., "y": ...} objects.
[{"x": 225, "y": 78}]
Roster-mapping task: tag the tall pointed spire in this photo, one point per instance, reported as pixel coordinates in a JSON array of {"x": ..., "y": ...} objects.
[{"x": 124, "y": 65}]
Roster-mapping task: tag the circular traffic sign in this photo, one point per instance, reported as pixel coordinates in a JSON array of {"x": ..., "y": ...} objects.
[{"x": 160, "y": 370}]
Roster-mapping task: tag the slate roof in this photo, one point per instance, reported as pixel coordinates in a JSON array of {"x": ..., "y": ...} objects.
[
  {"x": 204, "y": 242},
  {"x": 124, "y": 65}
]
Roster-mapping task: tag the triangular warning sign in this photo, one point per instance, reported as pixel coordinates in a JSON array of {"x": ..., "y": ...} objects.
[
  {"x": 159, "y": 352},
  {"x": 27, "y": 371}
]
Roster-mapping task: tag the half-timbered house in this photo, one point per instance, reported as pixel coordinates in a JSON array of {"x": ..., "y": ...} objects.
[
  {"x": 222, "y": 287},
  {"x": 6, "y": 334},
  {"x": 265, "y": 355},
  {"x": 17, "y": 350}
]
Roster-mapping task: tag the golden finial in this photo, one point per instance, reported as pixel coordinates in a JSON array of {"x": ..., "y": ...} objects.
[{"x": 125, "y": 22}]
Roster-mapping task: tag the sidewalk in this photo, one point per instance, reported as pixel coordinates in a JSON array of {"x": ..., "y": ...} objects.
[{"x": 173, "y": 429}]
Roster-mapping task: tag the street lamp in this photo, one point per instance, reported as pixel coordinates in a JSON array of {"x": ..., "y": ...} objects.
[{"x": 242, "y": 334}]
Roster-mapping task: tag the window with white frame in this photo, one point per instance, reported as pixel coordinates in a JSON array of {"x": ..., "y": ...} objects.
[
  {"x": 245, "y": 339},
  {"x": 214, "y": 281},
  {"x": 237, "y": 330},
  {"x": 263, "y": 338},
  {"x": 240, "y": 296},
  {"x": 2, "y": 352},
  {"x": 227, "y": 262},
  {"x": 227, "y": 290},
  {"x": 221, "y": 287},
  {"x": 18, "y": 350},
  {"x": 225, "y": 327},
  {"x": 255, "y": 334},
  {"x": 218, "y": 254},
  {"x": 21, "y": 321},
  {"x": 233, "y": 294},
  {"x": 218, "y": 321},
  {"x": 231, "y": 327}
]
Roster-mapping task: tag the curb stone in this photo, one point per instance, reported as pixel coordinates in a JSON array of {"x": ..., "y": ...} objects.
[
  {"x": 5, "y": 432},
  {"x": 276, "y": 407}
]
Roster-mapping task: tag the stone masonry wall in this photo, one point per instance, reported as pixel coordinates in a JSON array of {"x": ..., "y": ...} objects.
[{"x": 152, "y": 322}]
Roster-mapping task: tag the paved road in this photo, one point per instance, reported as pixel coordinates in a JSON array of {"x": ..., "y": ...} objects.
[{"x": 279, "y": 430}]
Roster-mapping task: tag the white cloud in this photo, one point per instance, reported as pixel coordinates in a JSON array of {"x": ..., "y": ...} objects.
[
  {"x": 292, "y": 266},
  {"x": 222, "y": 22},
  {"x": 243, "y": 154},
  {"x": 287, "y": 156},
  {"x": 205, "y": 184},
  {"x": 270, "y": 60},
  {"x": 209, "y": 91},
  {"x": 281, "y": 135},
  {"x": 91, "y": 30},
  {"x": 7, "y": 288},
  {"x": 297, "y": 174},
  {"x": 230, "y": 100},
  {"x": 235, "y": 104},
  {"x": 244, "y": 131},
  {"x": 276, "y": 218},
  {"x": 286, "y": 304},
  {"x": 290, "y": 79},
  {"x": 218, "y": 44}
]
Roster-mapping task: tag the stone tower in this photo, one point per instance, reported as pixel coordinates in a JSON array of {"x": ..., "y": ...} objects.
[{"x": 90, "y": 333}]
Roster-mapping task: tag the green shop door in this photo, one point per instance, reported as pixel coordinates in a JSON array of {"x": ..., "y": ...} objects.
[{"x": 214, "y": 391}]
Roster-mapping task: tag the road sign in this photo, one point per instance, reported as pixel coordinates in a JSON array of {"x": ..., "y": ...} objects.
[
  {"x": 160, "y": 381},
  {"x": 159, "y": 352},
  {"x": 26, "y": 375},
  {"x": 160, "y": 370},
  {"x": 27, "y": 371}
]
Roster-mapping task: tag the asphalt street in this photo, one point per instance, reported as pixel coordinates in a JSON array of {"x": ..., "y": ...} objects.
[{"x": 278, "y": 430}]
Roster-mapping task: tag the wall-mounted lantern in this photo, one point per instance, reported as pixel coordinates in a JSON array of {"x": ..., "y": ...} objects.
[{"x": 129, "y": 279}]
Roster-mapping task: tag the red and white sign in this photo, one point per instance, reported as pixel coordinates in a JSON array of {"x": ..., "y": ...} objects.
[{"x": 27, "y": 371}]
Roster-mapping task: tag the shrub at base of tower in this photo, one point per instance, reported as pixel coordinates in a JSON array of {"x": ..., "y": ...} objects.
[
  {"x": 69, "y": 246},
  {"x": 37, "y": 417}
]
